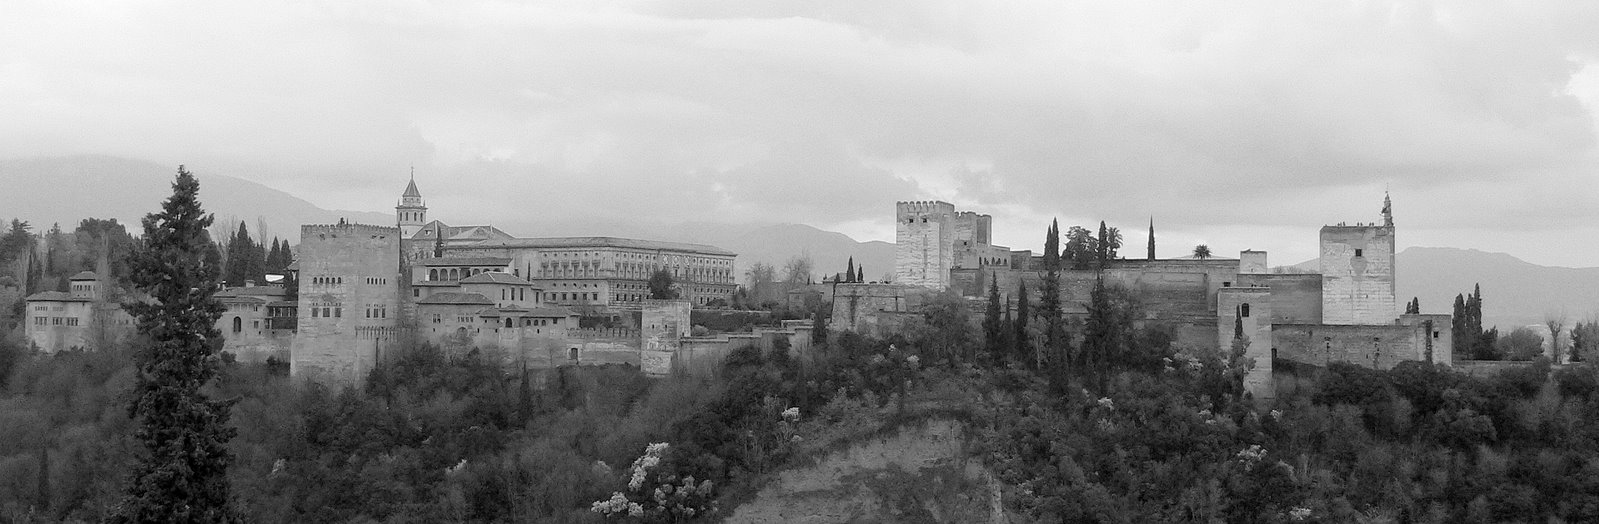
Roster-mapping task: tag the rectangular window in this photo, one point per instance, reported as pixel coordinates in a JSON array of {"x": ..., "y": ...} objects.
[
  {"x": 55, "y": 321},
  {"x": 1358, "y": 252}
]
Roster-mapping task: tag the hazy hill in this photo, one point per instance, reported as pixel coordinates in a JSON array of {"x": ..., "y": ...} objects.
[
  {"x": 1514, "y": 292},
  {"x": 68, "y": 189}
]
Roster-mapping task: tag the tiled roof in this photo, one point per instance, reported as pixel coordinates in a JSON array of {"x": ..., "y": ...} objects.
[
  {"x": 84, "y": 275},
  {"x": 540, "y": 312},
  {"x": 495, "y": 277},
  {"x": 600, "y": 242},
  {"x": 464, "y": 261},
  {"x": 449, "y": 297},
  {"x": 57, "y": 296},
  {"x": 410, "y": 189}
]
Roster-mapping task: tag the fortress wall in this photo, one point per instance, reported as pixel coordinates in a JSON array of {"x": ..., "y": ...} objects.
[
  {"x": 1295, "y": 298},
  {"x": 256, "y": 348},
  {"x": 856, "y": 305},
  {"x": 1357, "y": 268},
  {"x": 1380, "y": 347}
]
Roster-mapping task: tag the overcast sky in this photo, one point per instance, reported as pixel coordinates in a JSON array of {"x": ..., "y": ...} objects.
[{"x": 1241, "y": 125}]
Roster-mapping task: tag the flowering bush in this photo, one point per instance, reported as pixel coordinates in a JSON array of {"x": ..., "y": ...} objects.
[{"x": 656, "y": 496}]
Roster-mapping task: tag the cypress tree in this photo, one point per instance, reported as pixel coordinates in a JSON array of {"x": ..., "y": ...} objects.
[
  {"x": 1049, "y": 302},
  {"x": 1151, "y": 238},
  {"x": 993, "y": 325},
  {"x": 849, "y": 270},
  {"x": 860, "y": 273},
  {"x": 819, "y": 326},
  {"x": 1463, "y": 343},
  {"x": 1102, "y": 247},
  {"x": 1020, "y": 341},
  {"x": 182, "y": 474}
]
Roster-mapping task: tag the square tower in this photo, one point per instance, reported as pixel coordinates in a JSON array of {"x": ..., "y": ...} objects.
[
  {"x": 349, "y": 301},
  {"x": 1357, "y": 274},
  {"x": 924, "y": 243}
]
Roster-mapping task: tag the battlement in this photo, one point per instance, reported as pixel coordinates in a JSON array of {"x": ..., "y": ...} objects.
[
  {"x": 1356, "y": 226},
  {"x": 348, "y": 228},
  {"x": 922, "y": 207}
]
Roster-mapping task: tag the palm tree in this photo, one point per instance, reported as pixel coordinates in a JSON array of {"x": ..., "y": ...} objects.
[{"x": 1201, "y": 252}]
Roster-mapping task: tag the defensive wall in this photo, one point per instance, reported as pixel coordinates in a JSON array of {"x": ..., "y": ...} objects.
[
  {"x": 1375, "y": 346},
  {"x": 1245, "y": 312},
  {"x": 867, "y": 308}
]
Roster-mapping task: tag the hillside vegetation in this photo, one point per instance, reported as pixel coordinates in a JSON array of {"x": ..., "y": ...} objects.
[{"x": 920, "y": 428}]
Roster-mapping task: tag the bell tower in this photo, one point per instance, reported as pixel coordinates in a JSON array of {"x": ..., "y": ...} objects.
[{"x": 411, "y": 212}]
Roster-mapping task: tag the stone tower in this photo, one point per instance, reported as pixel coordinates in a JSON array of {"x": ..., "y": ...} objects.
[
  {"x": 349, "y": 301},
  {"x": 1357, "y": 272},
  {"x": 411, "y": 212},
  {"x": 924, "y": 249}
]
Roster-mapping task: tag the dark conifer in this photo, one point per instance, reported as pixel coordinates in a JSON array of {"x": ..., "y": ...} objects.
[
  {"x": 1049, "y": 301},
  {"x": 182, "y": 474},
  {"x": 993, "y": 325},
  {"x": 1021, "y": 342},
  {"x": 849, "y": 270}
]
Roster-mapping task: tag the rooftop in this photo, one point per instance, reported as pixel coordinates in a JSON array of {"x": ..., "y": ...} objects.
[
  {"x": 57, "y": 296},
  {"x": 450, "y": 297},
  {"x": 495, "y": 277},
  {"x": 84, "y": 275},
  {"x": 464, "y": 261},
  {"x": 603, "y": 242}
]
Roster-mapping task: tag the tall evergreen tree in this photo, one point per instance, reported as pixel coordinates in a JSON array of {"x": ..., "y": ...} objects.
[
  {"x": 860, "y": 273},
  {"x": 1151, "y": 238},
  {"x": 819, "y": 325},
  {"x": 1102, "y": 247},
  {"x": 849, "y": 270},
  {"x": 182, "y": 474},
  {"x": 1049, "y": 303},
  {"x": 993, "y": 325},
  {"x": 1021, "y": 341},
  {"x": 1464, "y": 343}
]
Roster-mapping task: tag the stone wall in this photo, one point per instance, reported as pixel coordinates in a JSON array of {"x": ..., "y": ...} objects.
[
  {"x": 1357, "y": 271},
  {"x": 1379, "y": 347},
  {"x": 856, "y": 306},
  {"x": 664, "y": 324},
  {"x": 345, "y": 269},
  {"x": 1295, "y": 298}
]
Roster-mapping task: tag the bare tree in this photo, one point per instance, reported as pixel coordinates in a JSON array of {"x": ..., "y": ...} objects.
[
  {"x": 761, "y": 281},
  {"x": 1556, "y": 323},
  {"x": 798, "y": 271}
]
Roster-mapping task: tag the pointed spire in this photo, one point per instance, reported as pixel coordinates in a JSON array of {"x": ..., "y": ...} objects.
[{"x": 410, "y": 188}]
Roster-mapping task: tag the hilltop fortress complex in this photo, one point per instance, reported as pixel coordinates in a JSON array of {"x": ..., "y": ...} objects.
[
  {"x": 1346, "y": 312},
  {"x": 364, "y": 290}
]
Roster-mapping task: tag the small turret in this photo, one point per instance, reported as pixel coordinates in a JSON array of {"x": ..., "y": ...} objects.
[
  {"x": 411, "y": 213},
  {"x": 1387, "y": 210}
]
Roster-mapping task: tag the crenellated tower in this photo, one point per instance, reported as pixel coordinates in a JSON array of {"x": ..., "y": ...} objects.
[
  {"x": 349, "y": 301},
  {"x": 1357, "y": 270},
  {"x": 411, "y": 213},
  {"x": 924, "y": 249}
]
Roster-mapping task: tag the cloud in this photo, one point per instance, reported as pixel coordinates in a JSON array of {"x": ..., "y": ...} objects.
[{"x": 1210, "y": 117}]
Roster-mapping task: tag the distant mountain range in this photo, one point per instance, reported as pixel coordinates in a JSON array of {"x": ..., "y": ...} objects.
[
  {"x": 66, "y": 189},
  {"x": 1515, "y": 292}
]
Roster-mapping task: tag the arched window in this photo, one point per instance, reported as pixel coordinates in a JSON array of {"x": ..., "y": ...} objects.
[
  {"x": 1244, "y": 311},
  {"x": 433, "y": 274},
  {"x": 238, "y": 324},
  {"x": 508, "y": 322},
  {"x": 572, "y": 354}
]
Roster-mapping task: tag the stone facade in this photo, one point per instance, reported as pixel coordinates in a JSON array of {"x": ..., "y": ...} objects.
[
  {"x": 924, "y": 243},
  {"x": 349, "y": 277},
  {"x": 84, "y": 318},
  {"x": 1357, "y": 271}
]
